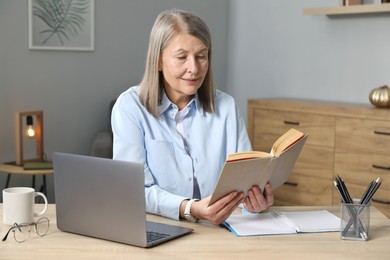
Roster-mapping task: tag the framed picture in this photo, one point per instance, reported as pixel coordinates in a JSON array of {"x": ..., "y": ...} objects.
[{"x": 61, "y": 25}]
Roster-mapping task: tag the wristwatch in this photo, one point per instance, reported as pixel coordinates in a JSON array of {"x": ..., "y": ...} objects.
[{"x": 187, "y": 212}]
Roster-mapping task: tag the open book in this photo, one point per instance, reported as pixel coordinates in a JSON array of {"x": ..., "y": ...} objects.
[
  {"x": 245, "y": 169},
  {"x": 278, "y": 223}
]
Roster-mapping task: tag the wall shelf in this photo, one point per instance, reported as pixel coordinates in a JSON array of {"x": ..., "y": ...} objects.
[{"x": 351, "y": 9}]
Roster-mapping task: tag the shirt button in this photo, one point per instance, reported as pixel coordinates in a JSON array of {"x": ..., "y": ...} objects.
[
  {"x": 189, "y": 179},
  {"x": 171, "y": 114}
]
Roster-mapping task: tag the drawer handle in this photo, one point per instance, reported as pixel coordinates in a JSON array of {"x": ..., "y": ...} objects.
[
  {"x": 291, "y": 183},
  {"x": 287, "y": 122},
  {"x": 381, "y": 133},
  {"x": 381, "y": 201},
  {"x": 381, "y": 167}
]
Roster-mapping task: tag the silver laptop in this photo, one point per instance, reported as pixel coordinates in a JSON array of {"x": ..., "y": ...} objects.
[{"x": 105, "y": 198}]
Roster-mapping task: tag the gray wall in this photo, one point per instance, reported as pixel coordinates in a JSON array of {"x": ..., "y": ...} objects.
[
  {"x": 74, "y": 88},
  {"x": 276, "y": 51},
  {"x": 262, "y": 48}
]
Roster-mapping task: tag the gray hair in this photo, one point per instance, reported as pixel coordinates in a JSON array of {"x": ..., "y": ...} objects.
[{"x": 168, "y": 24}]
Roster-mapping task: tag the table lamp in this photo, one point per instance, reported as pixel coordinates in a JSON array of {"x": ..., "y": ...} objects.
[{"x": 30, "y": 131}]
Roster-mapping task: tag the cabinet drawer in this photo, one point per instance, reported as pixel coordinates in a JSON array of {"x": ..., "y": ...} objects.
[
  {"x": 362, "y": 136},
  {"x": 268, "y": 125},
  {"x": 304, "y": 190},
  {"x": 315, "y": 161},
  {"x": 361, "y": 169},
  {"x": 381, "y": 199}
]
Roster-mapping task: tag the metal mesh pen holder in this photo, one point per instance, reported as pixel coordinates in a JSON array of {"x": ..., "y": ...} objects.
[{"x": 355, "y": 221}]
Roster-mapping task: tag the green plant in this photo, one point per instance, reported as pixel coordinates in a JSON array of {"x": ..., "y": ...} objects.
[{"x": 64, "y": 18}]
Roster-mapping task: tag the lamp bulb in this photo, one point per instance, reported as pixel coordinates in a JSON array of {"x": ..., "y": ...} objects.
[{"x": 30, "y": 131}]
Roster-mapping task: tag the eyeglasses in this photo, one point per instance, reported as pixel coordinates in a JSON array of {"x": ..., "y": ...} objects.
[{"x": 22, "y": 231}]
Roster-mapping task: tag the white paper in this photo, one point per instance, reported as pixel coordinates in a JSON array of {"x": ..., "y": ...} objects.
[{"x": 270, "y": 224}]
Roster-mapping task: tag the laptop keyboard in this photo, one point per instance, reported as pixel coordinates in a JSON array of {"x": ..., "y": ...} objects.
[{"x": 153, "y": 236}]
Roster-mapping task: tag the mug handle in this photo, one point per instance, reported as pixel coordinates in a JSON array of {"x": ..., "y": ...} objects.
[{"x": 45, "y": 199}]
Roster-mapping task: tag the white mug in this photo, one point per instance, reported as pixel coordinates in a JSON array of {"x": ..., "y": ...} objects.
[{"x": 19, "y": 205}]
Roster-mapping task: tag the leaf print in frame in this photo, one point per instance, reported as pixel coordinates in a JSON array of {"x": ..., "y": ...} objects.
[{"x": 61, "y": 25}]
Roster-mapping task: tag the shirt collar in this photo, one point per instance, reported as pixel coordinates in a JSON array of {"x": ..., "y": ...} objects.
[{"x": 166, "y": 104}]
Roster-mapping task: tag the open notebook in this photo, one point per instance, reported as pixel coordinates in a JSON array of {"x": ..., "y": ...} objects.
[{"x": 278, "y": 223}]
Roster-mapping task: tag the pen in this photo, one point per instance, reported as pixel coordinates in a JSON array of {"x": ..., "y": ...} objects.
[
  {"x": 348, "y": 198},
  {"x": 339, "y": 191},
  {"x": 365, "y": 194},
  {"x": 372, "y": 191}
]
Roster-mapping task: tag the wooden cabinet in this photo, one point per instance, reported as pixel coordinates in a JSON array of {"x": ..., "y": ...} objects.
[
  {"x": 350, "y": 140},
  {"x": 362, "y": 154}
]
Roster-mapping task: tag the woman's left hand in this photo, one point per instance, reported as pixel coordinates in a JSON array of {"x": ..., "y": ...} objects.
[{"x": 257, "y": 201}]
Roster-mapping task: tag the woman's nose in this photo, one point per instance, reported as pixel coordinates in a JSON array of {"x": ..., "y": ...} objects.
[{"x": 192, "y": 66}]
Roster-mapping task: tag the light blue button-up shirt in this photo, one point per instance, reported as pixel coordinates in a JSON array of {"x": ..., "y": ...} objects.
[{"x": 171, "y": 160}]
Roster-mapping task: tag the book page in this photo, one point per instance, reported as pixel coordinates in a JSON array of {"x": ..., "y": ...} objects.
[
  {"x": 314, "y": 221},
  {"x": 257, "y": 224},
  {"x": 247, "y": 155},
  {"x": 285, "y": 141},
  {"x": 277, "y": 223}
]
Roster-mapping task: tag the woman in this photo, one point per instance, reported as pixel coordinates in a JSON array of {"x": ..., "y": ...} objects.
[{"x": 180, "y": 127}]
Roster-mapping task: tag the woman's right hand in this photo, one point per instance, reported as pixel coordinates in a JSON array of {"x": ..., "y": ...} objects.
[{"x": 218, "y": 212}]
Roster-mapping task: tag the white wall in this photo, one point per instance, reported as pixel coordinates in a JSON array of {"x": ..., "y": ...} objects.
[
  {"x": 276, "y": 51},
  {"x": 74, "y": 88},
  {"x": 262, "y": 48}
]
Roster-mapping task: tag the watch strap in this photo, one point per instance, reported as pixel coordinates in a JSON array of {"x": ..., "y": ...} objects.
[{"x": 187, "y": 211}]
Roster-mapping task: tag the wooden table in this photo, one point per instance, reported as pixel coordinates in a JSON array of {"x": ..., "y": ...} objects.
[
  {"x": 206, "y": 242},
  {"x": 15, "y": 169}
]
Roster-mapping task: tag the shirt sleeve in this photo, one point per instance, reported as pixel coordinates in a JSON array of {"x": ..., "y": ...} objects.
[{"x": 127, "y": 124}]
